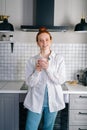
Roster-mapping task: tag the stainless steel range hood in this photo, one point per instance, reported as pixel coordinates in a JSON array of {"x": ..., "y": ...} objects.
[{"x": 44, "y": 16}]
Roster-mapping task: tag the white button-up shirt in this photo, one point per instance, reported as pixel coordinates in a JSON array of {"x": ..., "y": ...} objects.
[{"x": 53, "y": 77}]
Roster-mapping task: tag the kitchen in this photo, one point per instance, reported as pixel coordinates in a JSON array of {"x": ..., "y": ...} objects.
[{"x": 72, "y": 45}]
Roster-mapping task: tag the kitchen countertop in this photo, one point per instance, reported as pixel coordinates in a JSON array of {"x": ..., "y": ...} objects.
[
  {"x": 76, "y": 89},
  {"x": 20, "y": 87},
  {"x": 12, "y": 87}
]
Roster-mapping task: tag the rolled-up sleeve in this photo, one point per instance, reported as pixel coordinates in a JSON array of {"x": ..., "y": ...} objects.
[
  {"x": 32, "y": 75},
  {"x": 57, "y": 75}
]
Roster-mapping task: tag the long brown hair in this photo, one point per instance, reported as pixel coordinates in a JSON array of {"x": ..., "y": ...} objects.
[{"x": 43, "y": 30}]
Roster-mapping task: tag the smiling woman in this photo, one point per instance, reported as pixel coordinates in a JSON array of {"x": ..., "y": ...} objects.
[{"x": 45, "y": 73}]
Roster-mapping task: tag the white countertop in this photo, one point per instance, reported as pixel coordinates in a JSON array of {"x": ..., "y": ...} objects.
[
  {"x": 76, "y": 89},
  {"x": 15, "y": 87},
  {"x": 11, "y": 87}
]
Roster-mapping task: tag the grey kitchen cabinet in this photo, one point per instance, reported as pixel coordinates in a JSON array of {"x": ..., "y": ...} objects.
[
  {"x": 9, "y": 111},
  {"x": 78, "y": 112}
]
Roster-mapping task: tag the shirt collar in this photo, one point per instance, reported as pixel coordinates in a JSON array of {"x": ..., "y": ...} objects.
[{"x": 50, "y": 56}]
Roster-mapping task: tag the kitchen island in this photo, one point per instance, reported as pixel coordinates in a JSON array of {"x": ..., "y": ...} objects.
[{"x": 13, "y": 92}]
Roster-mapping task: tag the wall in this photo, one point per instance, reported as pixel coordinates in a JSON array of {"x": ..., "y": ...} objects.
[
  {"x": 66, "y": 12},
  {"x": 72, "y": 45},
  {"x": 69, "y": 12},
  {"x": 12, "y": 65}
]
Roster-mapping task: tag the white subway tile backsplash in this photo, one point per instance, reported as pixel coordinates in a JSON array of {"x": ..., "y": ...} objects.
[{"x": 12, "y": 65}]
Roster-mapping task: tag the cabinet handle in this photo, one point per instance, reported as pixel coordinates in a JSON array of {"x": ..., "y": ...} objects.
[
  {"x": 82, "y": 96},
  {"x": 82, "y": 129},
  {"x": 82, "y": 113}
]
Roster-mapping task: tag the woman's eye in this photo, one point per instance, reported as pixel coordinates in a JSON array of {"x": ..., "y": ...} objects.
[
  {"x": 40, "y": 41},
  {"x": 43, "y": 40}
]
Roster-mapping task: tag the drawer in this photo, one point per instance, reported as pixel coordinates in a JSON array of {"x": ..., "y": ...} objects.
[
  {"x": 77, "y": 127},
  {"x": 78, "y": 117},
  {"x": 78, "y": 101}
]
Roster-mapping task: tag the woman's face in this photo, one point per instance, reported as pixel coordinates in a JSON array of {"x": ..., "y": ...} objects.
[{"x": 44, "y": 41}]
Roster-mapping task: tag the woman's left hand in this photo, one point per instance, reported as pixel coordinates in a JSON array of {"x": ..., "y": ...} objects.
[{"x": 43, "y": 63}]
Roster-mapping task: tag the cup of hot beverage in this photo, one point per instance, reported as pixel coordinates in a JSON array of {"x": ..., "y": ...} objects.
[{"x": 42, "y": 59}]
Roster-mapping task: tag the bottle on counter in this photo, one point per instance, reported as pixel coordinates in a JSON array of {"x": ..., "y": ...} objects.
[{"x": 10, "y": 37}]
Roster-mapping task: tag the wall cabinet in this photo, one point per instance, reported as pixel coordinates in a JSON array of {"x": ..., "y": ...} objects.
[
  {"x": 78, "y": 112},
  {"x": 9, "y": 111}
]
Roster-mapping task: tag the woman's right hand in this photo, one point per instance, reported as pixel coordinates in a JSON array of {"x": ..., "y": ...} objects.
[{"x": 38, "y": 67}]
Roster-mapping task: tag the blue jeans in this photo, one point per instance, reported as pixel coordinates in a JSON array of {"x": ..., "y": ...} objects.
[{"x": 33, "y": 120}]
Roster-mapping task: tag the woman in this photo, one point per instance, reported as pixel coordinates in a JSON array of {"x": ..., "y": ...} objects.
[{"x": 45, "y": 72}]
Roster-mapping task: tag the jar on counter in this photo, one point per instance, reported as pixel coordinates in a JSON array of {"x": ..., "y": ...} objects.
[{"x": 3, "y": 37}]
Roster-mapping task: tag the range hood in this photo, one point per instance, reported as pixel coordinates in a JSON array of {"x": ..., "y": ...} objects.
[{"x": 44, "y": 16}]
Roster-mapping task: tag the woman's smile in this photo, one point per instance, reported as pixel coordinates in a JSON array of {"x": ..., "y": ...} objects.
[{"x": 44, "y": 41}]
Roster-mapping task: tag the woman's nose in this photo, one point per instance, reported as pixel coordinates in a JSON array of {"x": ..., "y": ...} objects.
[{"x": 44, "y": 41}]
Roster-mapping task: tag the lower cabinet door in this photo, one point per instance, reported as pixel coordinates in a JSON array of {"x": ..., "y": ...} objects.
[
  {"x": 9, "y": 111},
  {"x": 77, "y": 127},
  {"x": 78, "y": 101},
  {"x": 78, "y": 117}
]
